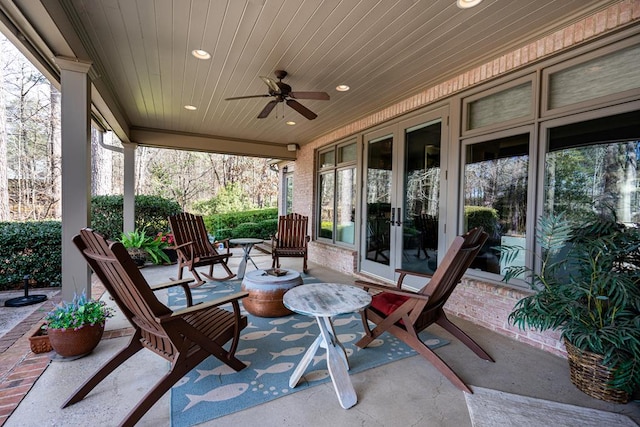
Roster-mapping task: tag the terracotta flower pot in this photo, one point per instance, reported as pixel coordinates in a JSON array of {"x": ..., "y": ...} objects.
[{"x": 71, "y": 343}]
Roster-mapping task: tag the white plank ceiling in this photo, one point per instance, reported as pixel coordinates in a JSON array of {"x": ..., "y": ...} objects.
[{"x": 385, "y": 50}]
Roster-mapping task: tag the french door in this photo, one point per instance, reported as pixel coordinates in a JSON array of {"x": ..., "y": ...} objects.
[{"x": 402, "y": 197}]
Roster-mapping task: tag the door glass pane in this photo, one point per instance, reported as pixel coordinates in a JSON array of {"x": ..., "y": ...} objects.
[
  {"x": 288, "y": 179},
  {"x": 378, "y": 199},
  {"x": 495, "y": 196},
  {"x": 345, "y": 206},
  {"x": 326, "y": 205},
  {"x": 421, "y": 198}
]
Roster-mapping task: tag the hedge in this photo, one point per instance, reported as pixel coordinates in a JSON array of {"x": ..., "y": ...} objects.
[
  {"x": 151, "y": 214},
  {"x": 480, "y": 216},
  {"x": 31, "y": 248},
  {"x": 231, "y": 220}
]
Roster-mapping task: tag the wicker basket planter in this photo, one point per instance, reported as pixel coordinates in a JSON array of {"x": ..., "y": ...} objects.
[
  {"x": 39, "y": 341},
  {"x": 588, "y": 374}
]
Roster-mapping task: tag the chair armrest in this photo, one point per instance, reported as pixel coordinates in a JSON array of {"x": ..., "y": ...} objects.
[
  {"x": 404, "y": 273},
  {"x": 225, "y": 243},
  {"x": 413, "y": 273},
  {"x": 185, "y": 285},
  {"x": 369, "y": 285},
  {"x": 171, "y": 284},
  {"x": 208, "y": 304},
  {"x": 183, "y": 245}
]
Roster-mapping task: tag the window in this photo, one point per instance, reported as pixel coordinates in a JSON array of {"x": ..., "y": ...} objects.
[
  {"x": 337, "y": 194},
  {"x": 288, "y": 194},
  {"x": 495, "y": 196},
  {"x": 592, "y": 167},
  {"x": 596, "y": 78},
  {"x": 504, "y": 105}
]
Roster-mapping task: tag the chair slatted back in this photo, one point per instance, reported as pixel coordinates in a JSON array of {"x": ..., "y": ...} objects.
[
  {"x": 292, "y": 231},
  {"x": 458, "y": 258},
  {"x": 128, "y": 287},
  {"x": 429, "y": 228},
  {"x": 186, "y": 228}
]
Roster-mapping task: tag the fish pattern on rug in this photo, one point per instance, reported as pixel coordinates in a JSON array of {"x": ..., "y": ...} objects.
[{"x": 271, "y": 348}]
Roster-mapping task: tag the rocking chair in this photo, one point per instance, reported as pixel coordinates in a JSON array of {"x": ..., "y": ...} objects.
[
  {"x": 184, "y": 337},
  {"x": 405, "y": 314},
  {"x": 194, "y": 248},
  {"x": 291, "y": 239}
]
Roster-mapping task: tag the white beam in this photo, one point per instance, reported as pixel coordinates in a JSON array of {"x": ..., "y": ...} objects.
[
  {"x": 129, "y": 220},
  {"x": 76, "y": 171},
  {"x": 167, "y": 139}
]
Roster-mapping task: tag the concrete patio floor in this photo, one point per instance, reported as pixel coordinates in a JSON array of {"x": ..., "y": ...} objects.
[{"x": 410, "y": 392}]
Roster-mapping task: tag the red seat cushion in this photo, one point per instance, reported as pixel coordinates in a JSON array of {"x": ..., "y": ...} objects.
[{"x": 386, "y": 302}]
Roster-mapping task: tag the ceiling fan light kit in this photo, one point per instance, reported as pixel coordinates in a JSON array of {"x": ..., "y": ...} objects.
[
  {"x": 281, "y": 92},
  {"x": 466, "y": 4}
]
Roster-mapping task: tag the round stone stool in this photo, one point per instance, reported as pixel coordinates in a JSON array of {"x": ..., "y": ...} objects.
[{"x": 266, "y": 291}]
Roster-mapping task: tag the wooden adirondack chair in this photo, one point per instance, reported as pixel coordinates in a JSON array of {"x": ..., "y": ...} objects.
[
  {"x": 291, "y": 239},
  {"x": 404, "y": 313},
  {"x": 194, "y": 248},
  {"x": 184, "y": 337}
]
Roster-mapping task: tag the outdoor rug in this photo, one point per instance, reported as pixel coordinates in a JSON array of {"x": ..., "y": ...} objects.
[
  {"x": 272, "y": 348},
  {"x": 493, "y": 408}
]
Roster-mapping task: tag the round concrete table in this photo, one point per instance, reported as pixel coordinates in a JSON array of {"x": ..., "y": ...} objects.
[
  {"x": 246, "y": 243},
  {"x": 323, "y": 301},
  {"x": 266, "y": 291}
]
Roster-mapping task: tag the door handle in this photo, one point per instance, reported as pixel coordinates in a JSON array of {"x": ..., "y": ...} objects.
[
  {"x": 398, "y": 222},
  {"x": 393, "y": 211}
]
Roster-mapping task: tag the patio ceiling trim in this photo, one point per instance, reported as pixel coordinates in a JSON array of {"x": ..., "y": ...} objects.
[{"x": 180, "y": 141}]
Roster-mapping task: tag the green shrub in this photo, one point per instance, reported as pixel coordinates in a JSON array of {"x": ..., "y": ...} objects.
[
  {"x": 480, "y": 216},
  {"x": 151, "y": 214},
  {"x": 223, "y": 233},
  {"x": 30, "y": 248},
  {"x": 260, "y": 230},
  {"x": 248, "y": 229},
  {"x": 217, "y": 222}
]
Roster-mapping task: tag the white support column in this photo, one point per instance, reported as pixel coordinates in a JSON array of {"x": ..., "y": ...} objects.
[
  {"x": 129, "y": 220},
  {"x": 76, "y": 171}
]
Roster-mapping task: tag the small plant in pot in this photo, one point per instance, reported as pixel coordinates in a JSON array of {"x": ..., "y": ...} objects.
[
  {"x": 588, "y": 288},
  {"x": 140, "y": 246},
  {"x": 75, "y": 328}
]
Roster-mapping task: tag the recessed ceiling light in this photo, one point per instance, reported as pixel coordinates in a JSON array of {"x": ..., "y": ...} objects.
[
  {"x": 291, "y": 123},
  {"x": 466, "y": 4},
  {"x": 190, "y": 107},
  {"x": 342, "y": 88},
  {"x": 201, "y": 54}
]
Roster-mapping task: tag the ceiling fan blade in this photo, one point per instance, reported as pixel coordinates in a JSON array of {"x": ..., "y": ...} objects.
[
  {"x": 267, "y": 109},
  {"x": 301, "y": 109},
  {"x": 273, "y": 86},
  {"x": 246, "y": 97},
  {"x": 322, "y": 96}
]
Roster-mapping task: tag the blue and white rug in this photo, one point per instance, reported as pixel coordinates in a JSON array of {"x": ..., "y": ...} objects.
[{"x": 271, "y": 348}]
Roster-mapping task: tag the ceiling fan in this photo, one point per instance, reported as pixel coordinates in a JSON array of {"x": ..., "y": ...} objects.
[{"x": 282, "y": 93}]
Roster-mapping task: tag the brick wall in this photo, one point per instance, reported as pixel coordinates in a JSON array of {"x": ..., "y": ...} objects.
[{"x": 483, "y": 303}]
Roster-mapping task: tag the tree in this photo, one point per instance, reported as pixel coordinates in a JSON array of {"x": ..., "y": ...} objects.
[{"x": 4, "y": 181}]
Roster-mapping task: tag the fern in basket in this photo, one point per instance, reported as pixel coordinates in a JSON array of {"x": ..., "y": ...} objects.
[{"x": 588, "y": 288}]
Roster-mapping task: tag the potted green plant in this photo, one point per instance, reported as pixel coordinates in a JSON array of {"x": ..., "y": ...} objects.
[
  {"x": 588, "y": 288},
  {"x": 140, "y": 246},
  {"x": 167, "y": 244},
  {"x": 75, "y": 328}
]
